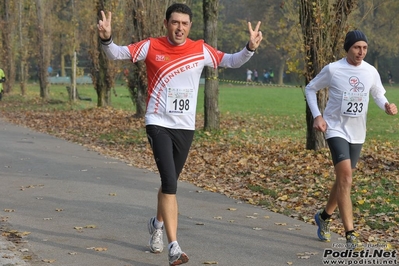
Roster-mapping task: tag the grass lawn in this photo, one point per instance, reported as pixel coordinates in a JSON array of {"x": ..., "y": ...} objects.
[
  {"x": 283, "y": 107},
  {"x": 260, "y": 146}
]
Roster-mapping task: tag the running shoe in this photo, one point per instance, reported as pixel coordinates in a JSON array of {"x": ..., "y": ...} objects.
[
  {"x": 323, "y": 232},
  {"x": 353, "y": 242},
  {"x": 176, "y": 256},
  {"x": 156, "y": 240}
]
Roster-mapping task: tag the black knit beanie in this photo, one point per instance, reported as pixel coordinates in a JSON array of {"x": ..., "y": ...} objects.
[{"x": 352, "y": 37}]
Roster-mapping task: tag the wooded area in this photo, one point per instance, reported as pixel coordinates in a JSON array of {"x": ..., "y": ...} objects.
[
  {"x": 39, "y": 38},
  {"x": 70, "y": 26}
]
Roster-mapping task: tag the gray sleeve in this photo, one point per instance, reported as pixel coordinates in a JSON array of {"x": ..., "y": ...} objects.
[
  {"x": 116, "y": 52},
  {"x": 236, "y": 60}
]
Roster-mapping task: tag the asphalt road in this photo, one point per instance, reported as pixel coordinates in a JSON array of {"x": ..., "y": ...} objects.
[{"x": 76, "y": 207}]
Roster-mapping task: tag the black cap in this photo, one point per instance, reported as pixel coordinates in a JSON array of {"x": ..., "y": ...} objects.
[{"x": 353, "y": 37}]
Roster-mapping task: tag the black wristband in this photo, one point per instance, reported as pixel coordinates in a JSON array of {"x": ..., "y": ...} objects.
[
  {"x": 247, "y": 46},
  {"x": 107, "y": 41}
]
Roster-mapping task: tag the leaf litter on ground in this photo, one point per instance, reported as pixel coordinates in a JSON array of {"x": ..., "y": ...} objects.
[{"x": 243, "y": 162}]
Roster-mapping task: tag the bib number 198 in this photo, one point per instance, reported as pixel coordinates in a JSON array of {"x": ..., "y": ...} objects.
[
  {"x": 181, "y": 104},
  {"x": 180, "y": 101}
]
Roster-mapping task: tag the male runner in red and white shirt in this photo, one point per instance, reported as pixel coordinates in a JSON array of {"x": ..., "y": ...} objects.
[{"x": 174, "y": 66}]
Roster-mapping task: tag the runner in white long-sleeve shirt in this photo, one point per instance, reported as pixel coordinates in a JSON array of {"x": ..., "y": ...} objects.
[
  {"x": 174, "y": 65},
  {"x": 350, "y": 81}
]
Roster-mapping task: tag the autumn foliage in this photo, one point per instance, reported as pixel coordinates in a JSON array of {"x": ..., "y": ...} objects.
[{"x": 242, "y": 162}]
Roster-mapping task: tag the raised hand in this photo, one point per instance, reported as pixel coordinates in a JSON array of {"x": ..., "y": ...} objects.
[
  {"x": 255, "y": 36},
  {"x": 104, "y": 26}
]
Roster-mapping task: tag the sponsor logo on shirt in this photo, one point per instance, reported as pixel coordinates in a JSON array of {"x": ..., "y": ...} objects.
[
  {"x": 356, "y": 85},
  {"x": 162, "y": 58}
]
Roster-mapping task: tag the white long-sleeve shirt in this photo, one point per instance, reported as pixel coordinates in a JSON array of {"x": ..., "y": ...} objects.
[
  {"x": 173, "y": 74},
  {"x": 348, "y": 97}
]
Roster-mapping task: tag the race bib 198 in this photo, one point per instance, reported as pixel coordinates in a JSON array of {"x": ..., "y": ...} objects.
[
  {"x": 180, "y": 101},
  {"x": 354, "y": 103}
]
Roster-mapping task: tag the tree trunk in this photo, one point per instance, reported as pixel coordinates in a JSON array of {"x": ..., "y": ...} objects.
[
  {"x": 23, "y": 43},
  {"x": 281, "y": 67},
  {"x": 102, "y": 70},
  {"x": 138, "y": 88},
  {"x": 323, "y": 23},
  {"x": 148, "y": 16},
  {"x": 211, "y": 101},
  {"x": 374, "y": 58},
  {"x": 7, "y": 53},
  {"x": 101, "y": 79},
  {"x": 62, "y": 65},
  {"x": 44, "y": 43}
]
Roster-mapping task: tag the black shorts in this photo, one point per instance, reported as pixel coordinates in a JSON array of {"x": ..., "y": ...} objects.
[
  {"x": 170, "y": 148},
  {"x": 342, "y": 150}
]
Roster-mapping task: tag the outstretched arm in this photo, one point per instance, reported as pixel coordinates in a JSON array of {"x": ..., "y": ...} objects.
[
  {"x": 113, "y": 51},
  {"x": 255, "y": 36},
  {"x": 236, "y": 60},
  {"x": 104, "y": 26}
]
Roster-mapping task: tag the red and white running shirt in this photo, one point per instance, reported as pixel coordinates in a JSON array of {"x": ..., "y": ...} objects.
[{"x": 173, "y": 74}]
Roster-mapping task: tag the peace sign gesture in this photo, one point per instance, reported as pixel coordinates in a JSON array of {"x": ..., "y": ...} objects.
[
  {"x": 255, "y": 36},
  {"x": 104, "y": 26}
]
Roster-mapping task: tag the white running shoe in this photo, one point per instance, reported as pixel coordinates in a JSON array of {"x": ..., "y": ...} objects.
[
  {"x": 176, "y": 256},
  {"x": 156, "y": 240}
]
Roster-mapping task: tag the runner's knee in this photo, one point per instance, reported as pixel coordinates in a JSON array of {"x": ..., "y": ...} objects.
[{"x": 169, "y": 186}]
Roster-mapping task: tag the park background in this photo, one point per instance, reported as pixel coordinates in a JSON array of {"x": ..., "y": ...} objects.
[
  {"x": 69, "y": 26},
  {"x": 258, "y": 155}
]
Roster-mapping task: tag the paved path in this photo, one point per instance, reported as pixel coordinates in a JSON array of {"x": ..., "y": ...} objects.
[{"x": 79, "y": 208}]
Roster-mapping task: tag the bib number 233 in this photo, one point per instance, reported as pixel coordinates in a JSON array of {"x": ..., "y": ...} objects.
[
  {"x": 180, "y": 101},
  {"x": 354, "y": 103}
]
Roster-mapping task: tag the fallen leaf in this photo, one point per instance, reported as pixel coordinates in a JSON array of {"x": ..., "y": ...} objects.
[
  {"x": 360, "y": 202},
  {"x": 98, "y": 248},
  {"x": 283, "y": 198},
  {"x": 91, "y": 226},
  {"x": 25, "y": 233},
  {"x": 250, "y": 167},
  {"x": 48, "y": 260}
]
